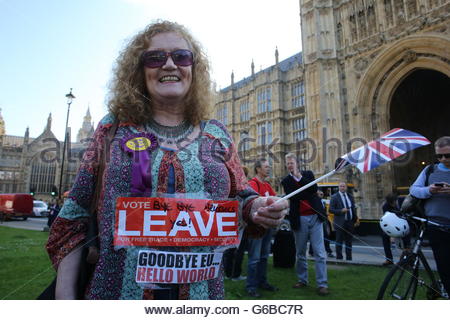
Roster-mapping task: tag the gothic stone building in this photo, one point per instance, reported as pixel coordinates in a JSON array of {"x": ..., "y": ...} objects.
[
  {"x": 265, "y": 113},
  {"x": 34, "y": 164},
  {"x": 366, "y": 67}
]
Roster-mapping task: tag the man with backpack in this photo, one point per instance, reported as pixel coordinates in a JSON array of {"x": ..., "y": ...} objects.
[{"x": 433, "y": 184}]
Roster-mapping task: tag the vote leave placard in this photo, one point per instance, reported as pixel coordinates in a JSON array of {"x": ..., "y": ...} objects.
[{"x": 175, "y": 222}]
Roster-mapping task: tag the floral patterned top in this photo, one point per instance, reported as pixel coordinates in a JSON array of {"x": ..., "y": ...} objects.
[{"x": 209, "y": 165}]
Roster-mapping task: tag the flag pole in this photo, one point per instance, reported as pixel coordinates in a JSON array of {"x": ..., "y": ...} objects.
[
  {"x": 290, "y": 195},
  {"x": 398, "y": 139},
  {"x": 340, "y": 163}
]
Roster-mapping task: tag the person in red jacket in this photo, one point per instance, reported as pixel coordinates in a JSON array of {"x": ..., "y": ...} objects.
[{"x": 259, "y": 249}]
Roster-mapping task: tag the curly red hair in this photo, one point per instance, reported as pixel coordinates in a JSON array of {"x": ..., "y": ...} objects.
[{"x": 129, "y": 100}]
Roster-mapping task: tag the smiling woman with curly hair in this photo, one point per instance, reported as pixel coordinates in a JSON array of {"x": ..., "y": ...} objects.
[
  {"x": 129, "y": 99},
  {"x": 162, "y": 147}
]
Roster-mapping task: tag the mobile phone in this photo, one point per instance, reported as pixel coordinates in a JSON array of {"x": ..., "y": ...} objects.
[{"x": 439, "y": 184}]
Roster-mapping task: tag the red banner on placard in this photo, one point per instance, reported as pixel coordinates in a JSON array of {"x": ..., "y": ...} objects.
[{"x": 158, "y": 222}]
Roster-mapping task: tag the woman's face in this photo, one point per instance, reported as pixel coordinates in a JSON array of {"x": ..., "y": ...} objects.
[{"x": 168, "y": 84}]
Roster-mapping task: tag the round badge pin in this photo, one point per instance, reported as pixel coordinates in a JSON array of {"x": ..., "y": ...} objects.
[{"x": 139, "y": 142}]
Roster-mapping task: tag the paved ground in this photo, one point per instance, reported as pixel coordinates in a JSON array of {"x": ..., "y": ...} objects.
[
  {"x": 367, "y": 250},
  {"x": 37, "y": 223}
]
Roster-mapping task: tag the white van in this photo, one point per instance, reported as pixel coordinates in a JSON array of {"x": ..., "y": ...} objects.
[{"x": 40, "y": 208}]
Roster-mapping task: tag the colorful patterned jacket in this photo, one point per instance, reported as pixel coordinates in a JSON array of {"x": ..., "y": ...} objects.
[{"x": 209, "y": 165}]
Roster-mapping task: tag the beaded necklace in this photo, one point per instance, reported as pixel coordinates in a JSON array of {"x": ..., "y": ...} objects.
[{"x": 173, "y": 135}]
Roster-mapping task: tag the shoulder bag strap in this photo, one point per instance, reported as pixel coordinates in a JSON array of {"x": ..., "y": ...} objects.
[
  {"x": 428, "y": 172},
  {"x": 101, "y": 167},
  {"x": 92, "y": 233}
]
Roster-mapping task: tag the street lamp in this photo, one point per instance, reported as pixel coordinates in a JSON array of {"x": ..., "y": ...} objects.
[{"x": 70, "y": 98}]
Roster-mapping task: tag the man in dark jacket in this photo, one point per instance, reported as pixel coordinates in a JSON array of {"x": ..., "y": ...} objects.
[
  {"x": 306, "y": 216},
  {"x": 342, "y": 205}
]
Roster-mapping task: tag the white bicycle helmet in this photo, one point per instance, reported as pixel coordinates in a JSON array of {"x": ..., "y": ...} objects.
[{"x": 393, "y": 225}]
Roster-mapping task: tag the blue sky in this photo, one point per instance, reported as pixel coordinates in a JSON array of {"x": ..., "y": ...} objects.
[{"x": 50, "y": 46}]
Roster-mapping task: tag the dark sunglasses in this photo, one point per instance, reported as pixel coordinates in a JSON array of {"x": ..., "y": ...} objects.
[
  {"x": 440, "y": 155},
  {"x": 158, "y": 58}
]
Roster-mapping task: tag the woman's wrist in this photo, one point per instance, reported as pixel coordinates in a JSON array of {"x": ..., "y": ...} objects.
[
  {"x": 257, "y": 203},
  {"x": 253, "y": 215},
  {"x": 247, "y": 211},
  {"x": 254, "y": 230}
]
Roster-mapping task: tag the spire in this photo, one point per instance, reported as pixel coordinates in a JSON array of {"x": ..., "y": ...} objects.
[
  {"x": 49, "y": 122},
  {"x": 232, "y": 77},
  {"x": 87, "y": 117},
  {"x": 276, "y": 55},
  {"x": 26, "y": 138},
  {"x": 253, "y": 68},
  {"x": 87, "y": 128},
  {"x": 2, "y": 124}
]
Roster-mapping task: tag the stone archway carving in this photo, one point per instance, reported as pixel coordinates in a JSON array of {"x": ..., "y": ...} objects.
[
  {"x": 382, "y": 77},
  {"x": 379, "y": 82}
]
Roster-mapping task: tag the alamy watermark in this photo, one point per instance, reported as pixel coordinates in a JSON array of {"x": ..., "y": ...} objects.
[{"x": 221, "y": 150}]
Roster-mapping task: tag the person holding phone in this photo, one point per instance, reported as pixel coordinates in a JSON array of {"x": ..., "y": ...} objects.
[
  {"x": 437, "y": 206},
  {"x": 441, "y": 184}
]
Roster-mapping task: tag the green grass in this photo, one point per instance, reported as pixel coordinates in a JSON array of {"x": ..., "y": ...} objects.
[
  {"x": 25, "y": 271},
  {"x": 345, "y": 282}
]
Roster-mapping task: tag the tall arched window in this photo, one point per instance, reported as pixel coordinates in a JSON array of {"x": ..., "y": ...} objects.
[
  {"x": 264, "y": 98},
  {"x": 42, "y": 174}
]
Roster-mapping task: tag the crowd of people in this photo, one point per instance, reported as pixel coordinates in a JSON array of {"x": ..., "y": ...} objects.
[
  {"x": 164, "y": 146},
  {"x": 308, "y": 219}
]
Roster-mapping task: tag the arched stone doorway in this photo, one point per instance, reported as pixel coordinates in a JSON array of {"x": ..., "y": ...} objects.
[
  {"x": 390, "y": 74},
  {"x": 420, "y": 103}
]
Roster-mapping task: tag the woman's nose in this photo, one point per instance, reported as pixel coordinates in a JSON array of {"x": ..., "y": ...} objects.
[{"x": 169, "y": 64}]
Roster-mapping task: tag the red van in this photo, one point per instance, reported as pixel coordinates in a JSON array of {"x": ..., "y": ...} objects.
[{"x": 16, "y": 205}]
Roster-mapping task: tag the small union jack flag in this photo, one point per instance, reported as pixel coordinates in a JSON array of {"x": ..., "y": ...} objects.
[{"x": 389, "y": 146}]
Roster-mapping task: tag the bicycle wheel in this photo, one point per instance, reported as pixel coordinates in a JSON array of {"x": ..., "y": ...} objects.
[
  {"x": 401, "y": 281},
  {"x": 428, "y": 285}
]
